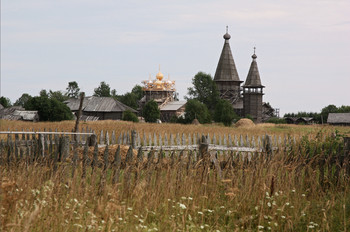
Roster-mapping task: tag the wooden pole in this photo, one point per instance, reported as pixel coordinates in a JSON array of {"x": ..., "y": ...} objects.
[{"x": 76, "y": 128}]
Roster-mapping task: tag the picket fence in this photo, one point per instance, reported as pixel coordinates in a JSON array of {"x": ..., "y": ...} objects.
[{"x": 153, "y": 141}]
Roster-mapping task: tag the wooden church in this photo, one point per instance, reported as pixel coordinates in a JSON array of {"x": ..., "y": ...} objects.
[{"x": 247, "y": 100}]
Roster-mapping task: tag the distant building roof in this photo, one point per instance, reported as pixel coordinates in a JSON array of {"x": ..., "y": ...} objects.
[
  {"x": 98, "y": 104},
  {"x": 253, "y": 78},
  {"x": 27, "y": 115},
  {"x": 18, "y": 113},
  {"x": 338, "y": 118},
  {"x": 173, "y": 106},
  {"x": 226, "y": 69}
]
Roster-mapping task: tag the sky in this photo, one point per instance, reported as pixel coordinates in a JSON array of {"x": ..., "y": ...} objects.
[{"x": 302, "y": 46}]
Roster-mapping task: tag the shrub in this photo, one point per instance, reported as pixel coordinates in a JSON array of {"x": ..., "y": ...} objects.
[
  {"x": 195, "y": 109},
  {"x": 277, "y": 120},
  {"x": 151, "y": 111},
  {"x": 49, "y": 109},
  {"x": 224, "y": 113},
  {"x": 130, "y": 116}
]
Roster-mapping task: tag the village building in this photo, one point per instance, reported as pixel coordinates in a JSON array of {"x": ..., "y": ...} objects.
[
  {"x": 340, "y": 119},
  {"x": 172, "y": 109},
  {"x": 247, "y": 100},
  {"x": 163, "y": 92},
  {"x": 18, "y": 113},
  {"x": 99, "y": 108}
]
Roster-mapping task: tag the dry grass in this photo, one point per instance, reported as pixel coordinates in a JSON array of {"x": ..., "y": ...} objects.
[
  {"x": 122, "y": 126},
  {"x": 283, "y": 193}
]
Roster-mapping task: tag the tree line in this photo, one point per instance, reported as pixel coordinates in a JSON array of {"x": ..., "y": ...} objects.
[
  {"x": 203, "y": 103},
  {"x": 322, "y": 116}
]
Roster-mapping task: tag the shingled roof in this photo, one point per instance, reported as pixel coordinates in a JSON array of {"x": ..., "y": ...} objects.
[
  {"x": 338, "y": 118},
  {"x": 226, "y": 69},
  {"x": 98, "y": 104},
  {"x": 253, "y": 78}
]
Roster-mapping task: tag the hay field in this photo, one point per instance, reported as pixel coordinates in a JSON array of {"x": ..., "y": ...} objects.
[
  {"x": 122, "y": 126},
  {"x": 303, "y": 188}
]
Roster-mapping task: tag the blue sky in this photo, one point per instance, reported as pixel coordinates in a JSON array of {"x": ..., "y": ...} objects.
[{"x": 302, "y": 46}]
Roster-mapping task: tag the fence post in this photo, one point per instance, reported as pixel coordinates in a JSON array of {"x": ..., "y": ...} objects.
[
  {"x": 267, "y": 145},
  {"x": 92, "y": 140},
  {"x": 203, "y": 147},
  {"x": 133, "y": 139},
  {"x": 347, "y": 154},
  {"x": 116, "y": 166},
  {"x": 64, "y": 148}
]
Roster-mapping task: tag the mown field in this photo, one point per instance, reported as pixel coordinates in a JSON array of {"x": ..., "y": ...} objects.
[{"x": 302, "y": 187}]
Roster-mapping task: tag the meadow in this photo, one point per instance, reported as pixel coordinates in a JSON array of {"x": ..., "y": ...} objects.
[{"x": 300, "y": 187}]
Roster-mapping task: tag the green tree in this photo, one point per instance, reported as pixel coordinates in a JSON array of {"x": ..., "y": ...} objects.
[
  {"x": 73, "y": 89},
  {"x": 344, "y": 109},
  {"x": 58, "y": 95},
  {"x": 224, "y": 112},
  {"x": 23, "y": 100},
  {"x": 151, "y": 111},
  {"x": 326, "y": 110},
  {"x": 130, "y": 116},
  {"x": 204, "y": 90},
  {"x": 104, "y": 90},
  {"x": 44, "y": 93},
  {"x": 138, "y": 91},
  {"x": 49, "y": 109},
  {"x": 5, "y": 102},
  {"x": 196, "y": 109},
  {"x": 129, "y": 99}
]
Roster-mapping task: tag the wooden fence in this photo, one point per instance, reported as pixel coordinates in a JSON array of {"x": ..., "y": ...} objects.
[
  {"x": 165, "y": 142},
  {"x": 69, "y": 151}
]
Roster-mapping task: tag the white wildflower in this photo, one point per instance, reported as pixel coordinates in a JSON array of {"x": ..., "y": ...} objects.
[{"x": 182, "y": 206}]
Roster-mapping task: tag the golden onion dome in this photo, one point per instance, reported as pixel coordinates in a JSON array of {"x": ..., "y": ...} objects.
[{"x": 159, "y": 76}]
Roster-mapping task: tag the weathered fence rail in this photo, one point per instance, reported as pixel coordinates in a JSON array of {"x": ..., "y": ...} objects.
[
  {"x": 201, "y": 154},
  {"x": 153, "y": 141}
]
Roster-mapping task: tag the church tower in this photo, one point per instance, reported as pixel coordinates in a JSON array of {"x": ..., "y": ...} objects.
[
  {"x": 253, "y": 92},
  {"x": 226, "y": 76}
]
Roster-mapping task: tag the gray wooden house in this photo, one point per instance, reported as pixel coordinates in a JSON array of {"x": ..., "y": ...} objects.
[
  {"x": 174, "y": 108},
  {"x": 342, "y": 119},
  {"x": 18, "y": 113},
  {"x": 99, "y": 108}
]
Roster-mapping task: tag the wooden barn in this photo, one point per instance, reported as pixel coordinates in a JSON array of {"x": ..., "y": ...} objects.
[
  {"x": 174, "y": 108},
  {"x": 18, "y": 113},
  {"x": 342, "y": 119},
  {"x": 99, "y": 108}
]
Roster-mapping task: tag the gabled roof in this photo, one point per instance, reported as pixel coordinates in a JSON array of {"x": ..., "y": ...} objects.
[
  {"x": 98, "y": 104},
  {"x": 18, "y": 113},
  {"x": 226, "y": 69},
  {"x": 341, "y": 118},
  {"x": 253, "y": 78},
  {"x": 173, "y": 106},
  {"x": 9, "y": 111},
  {"x": 27, "y": 115}
]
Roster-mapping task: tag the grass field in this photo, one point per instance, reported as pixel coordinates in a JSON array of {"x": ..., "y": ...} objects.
[{"x": 302, "y": 188}]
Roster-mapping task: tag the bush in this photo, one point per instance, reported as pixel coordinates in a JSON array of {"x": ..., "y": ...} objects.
[
  {"x": 151, "y": 111},
  {"x": 195, "y": 109},
  {"x": 49, "y": 109},
  {"x": 277, "y": 120},
  {"x": 130, "y": 116},
  {"x": 224, "y": 113}
]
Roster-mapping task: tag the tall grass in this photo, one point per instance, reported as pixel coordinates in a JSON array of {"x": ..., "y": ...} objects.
[
  {"x": 141, "y": 128},
  {"x": 300, "y": 188}
]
